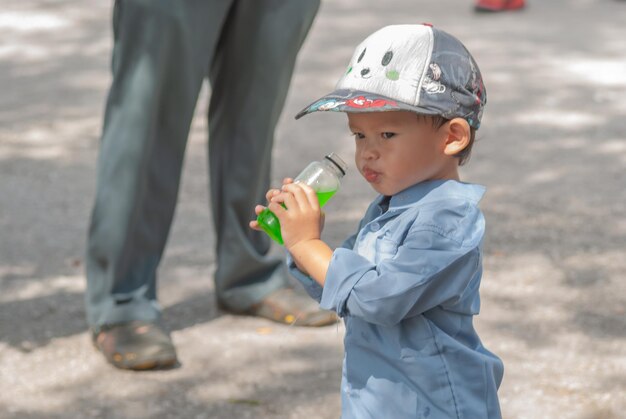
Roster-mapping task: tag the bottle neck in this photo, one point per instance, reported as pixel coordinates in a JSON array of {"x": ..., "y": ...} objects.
[{"x": 337, "y": 165}]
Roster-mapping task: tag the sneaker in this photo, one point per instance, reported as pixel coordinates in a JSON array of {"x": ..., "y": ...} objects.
[
  {"x": 498, "y": 5},
  {"x": 137, "y": 345},
  {"x": 287, "y": 306}
]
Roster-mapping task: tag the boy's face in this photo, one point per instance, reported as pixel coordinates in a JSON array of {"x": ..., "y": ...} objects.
[{"x": 397, "y": 149}]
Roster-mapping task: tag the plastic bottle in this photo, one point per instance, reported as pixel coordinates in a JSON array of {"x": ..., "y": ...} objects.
[{"x": 323, "y": 176}]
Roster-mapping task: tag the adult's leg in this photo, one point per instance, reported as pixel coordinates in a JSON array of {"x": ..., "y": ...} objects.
[
  {"x": 160, "y": 57},
  {"x": 250, "y": 77}
]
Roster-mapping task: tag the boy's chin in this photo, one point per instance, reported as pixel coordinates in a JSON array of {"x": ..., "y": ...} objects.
[
  {"x": 386, "y": 186},
  {"x": 381, "y": 189}
]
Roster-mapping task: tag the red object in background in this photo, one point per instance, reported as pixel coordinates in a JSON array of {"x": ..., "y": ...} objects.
[{"x": 498, "y": 5}]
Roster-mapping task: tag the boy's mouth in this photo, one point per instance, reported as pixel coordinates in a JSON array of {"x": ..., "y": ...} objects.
[{"x": 370, "y": 175}]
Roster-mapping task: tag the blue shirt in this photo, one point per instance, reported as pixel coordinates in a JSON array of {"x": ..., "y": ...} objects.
[{"x": 406, "y": 286}]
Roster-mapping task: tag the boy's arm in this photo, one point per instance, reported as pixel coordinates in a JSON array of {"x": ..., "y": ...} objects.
[
  {"x": 411, "y": 283},
  {"x": 312, "y": 287},
  {"x": 429, "y": 268},
  {"x": 312, "y": 257},
  {"x": 297, "y": 208}
]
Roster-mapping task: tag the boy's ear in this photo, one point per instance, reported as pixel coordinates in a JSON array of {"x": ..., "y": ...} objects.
[{"x": 457, "y": 136}]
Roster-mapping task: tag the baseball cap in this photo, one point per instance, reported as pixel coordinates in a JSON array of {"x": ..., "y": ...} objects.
[{"x": 415, "y": 68}]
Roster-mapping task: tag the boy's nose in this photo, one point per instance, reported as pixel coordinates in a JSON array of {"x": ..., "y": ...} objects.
[
  {"x": 368, "y": 152},
  {"x": 365, "y": 71}
]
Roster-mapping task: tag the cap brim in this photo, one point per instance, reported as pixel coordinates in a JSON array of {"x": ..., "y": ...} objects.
[{"x": 358, "y": 101}]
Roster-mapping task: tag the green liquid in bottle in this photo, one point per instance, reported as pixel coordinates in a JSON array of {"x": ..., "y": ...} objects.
[
  {"x": 323, "y": 197},
  {"x": 270, "y": 224}
]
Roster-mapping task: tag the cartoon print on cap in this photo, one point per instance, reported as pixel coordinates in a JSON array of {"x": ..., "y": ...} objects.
[
  {"x": 362, "y": 102},
  {"x": 431, "y": 80},
  {"x": 327, "y": 104},
  {"x": 476, "y": 83},
  {"x": 383, "y": 64},
  {"x": 375, "y": 63},
  {"x": 472, "y": 98}
]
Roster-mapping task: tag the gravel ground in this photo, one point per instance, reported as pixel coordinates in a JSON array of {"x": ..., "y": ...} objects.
[{"x": 551, "y": 152}]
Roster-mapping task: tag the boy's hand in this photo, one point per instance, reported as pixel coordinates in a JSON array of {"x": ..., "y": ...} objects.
[
  {"x": 302, "y": 220},
  {"x": 268, "y": 196},
  {"x": 301, "y": 226}
]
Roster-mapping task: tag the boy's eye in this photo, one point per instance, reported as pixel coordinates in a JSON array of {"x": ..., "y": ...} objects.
[
  {"x": 358, "y": 135},
  {"x": 387, "y": 135}
]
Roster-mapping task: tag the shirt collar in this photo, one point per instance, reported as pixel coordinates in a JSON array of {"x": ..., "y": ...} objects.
[{"x": 431, "y": 191}]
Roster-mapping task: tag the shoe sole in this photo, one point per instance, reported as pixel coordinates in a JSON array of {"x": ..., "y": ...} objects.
[
  {"x": 148, "y": 365},
  {"x": 151, "y": 364},
  {"x": 325, "y": 318}
]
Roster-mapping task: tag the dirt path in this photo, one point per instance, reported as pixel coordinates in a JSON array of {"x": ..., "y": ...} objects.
[{"x": 551, "y": 152}]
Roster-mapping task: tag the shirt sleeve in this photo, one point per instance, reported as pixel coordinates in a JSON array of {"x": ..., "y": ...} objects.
[
  {"x": 429, "y": 269},
  {"x": 310, "y": 285}
]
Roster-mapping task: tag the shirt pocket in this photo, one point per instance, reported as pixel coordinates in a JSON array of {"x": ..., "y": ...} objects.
[{"x": 386, "y": 248}]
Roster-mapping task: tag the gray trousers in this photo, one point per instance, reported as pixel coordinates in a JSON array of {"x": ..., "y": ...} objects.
[{"x": 163, "y": 49}]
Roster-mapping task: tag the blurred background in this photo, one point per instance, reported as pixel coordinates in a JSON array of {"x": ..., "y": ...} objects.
[{"x": 551, "y": 151}]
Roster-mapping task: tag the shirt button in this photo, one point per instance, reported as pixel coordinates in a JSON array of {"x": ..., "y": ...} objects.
[{"x": 374, "y": 226}]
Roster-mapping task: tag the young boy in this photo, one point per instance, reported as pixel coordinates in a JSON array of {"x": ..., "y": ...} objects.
[{"x": 407, "y": 283}]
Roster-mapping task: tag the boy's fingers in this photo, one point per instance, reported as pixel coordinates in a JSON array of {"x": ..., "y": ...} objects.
[
  {"x": 276, "y": 208},
  {"x": 290, "y": 200},
  {"x": 298, "y": 197},
  {"x": 276, "y": 198},
  {"x": 297, "y": 192},
  {"x": 294, "y": 188},
  {"x": 279, "y": 202},
  {"x": 258, "y": 209},
  {"x": 312, "y": 196},
  {"x": 304, "y": 193},
  {"x": 271, "y": 193}
]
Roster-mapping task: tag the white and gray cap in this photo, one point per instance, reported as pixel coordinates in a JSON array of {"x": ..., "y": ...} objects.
[{"x": 415, "y": 68}]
